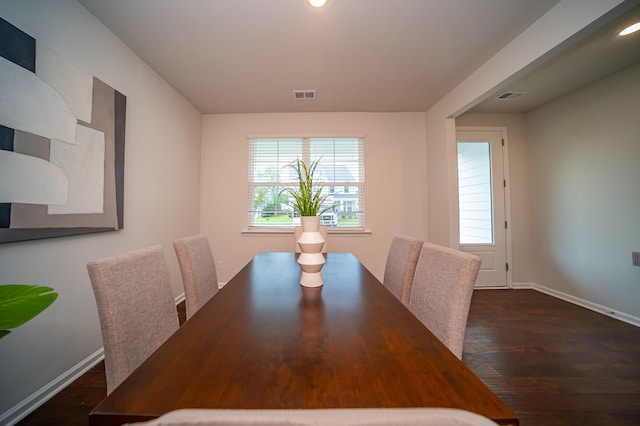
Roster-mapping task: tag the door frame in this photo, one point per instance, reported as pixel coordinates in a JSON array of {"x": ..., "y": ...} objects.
[{"x": 507, "y": 197}]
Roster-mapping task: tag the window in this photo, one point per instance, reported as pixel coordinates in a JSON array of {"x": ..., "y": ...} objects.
[
  {"x": 340, "y": 172},
  {"x": 475, "y": 195}
]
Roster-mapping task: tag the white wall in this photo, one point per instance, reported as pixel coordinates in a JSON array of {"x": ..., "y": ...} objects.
[
  {"x": 161, "y": 200},
  {"x": 394, "y": 181},
  {"x": 569, "y": 19},
  {"x": 585, "y": 200}
]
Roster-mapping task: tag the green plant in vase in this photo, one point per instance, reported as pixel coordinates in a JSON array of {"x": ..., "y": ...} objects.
[
  {"x": 307, "y": 194},
  {"x": 308, "y": 199}
]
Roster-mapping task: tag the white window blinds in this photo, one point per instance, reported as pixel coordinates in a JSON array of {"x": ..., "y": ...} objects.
[{"x": 340, "y": 171}]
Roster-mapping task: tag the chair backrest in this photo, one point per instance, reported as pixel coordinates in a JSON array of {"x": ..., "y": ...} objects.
[
  {"x": 401, "y": 266},
  {"x": 298, "y": 231},
  {"x": 442, "y": 290},
  {"x": 198, "y": 269},
  {"x": 136, "y": 308},
  {"x": 322, "y": 417}
]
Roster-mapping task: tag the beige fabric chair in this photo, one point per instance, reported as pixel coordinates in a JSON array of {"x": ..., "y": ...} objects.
[
  {"x": 198, "y": 270},
  {"x": 298, "y": 231},
  {"x": 442, "y": 290},
  {"x": 322, "y": 417},
  {"x": 401, "y": 265},
  {"x": 136, "y": 307}
]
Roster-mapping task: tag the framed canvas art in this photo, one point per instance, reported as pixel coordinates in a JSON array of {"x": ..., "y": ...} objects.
[{"x": 62, "y": 136}]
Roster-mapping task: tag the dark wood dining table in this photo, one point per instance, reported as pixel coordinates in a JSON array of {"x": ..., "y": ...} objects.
[{"x": 264, "y": 342}]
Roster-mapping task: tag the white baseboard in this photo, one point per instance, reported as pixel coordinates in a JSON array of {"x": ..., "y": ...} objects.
[
  {"x": 622, "y": 316},
  {"x": 24, "y": 408},
  {"x": 30, "y": 404}
]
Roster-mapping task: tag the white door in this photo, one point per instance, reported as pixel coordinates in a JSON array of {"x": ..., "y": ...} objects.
[{"x": 482, "y": 209}]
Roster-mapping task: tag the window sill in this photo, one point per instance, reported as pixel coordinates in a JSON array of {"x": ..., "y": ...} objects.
[{"x": 290, "y": 231}]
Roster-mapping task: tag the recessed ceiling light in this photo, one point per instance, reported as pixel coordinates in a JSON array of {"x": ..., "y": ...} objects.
[
  {"x": 317, "y": 3},
  {"x": 630, "y": 29}
]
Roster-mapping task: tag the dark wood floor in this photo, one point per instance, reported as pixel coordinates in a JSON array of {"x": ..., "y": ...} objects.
[{"x": 552, "y": 362}]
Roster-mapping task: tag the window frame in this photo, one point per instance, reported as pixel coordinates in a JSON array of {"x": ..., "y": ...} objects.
[{"x": 306, "y": 154}]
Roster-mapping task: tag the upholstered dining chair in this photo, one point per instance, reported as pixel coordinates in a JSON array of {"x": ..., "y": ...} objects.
[
  {"x": 321, "y": 417},
  {"x": 298, "y": 231},
  {"x": 136, "y": 308},
  {"x": 441, "y": 292},
  {"x": 401, "y": 265},
  {"x": 198, "y": 269}
]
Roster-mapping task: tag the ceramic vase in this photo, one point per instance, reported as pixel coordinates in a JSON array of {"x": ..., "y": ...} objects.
[{"x": 311, "y": 259}]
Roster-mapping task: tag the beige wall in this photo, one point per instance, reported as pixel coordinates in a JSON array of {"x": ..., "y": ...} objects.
[
  {"x": 161, "y": 201},
  {"x": 394, "y": 181},
  {"x": 568, "y": 20},
  {"x": 575, "y": 166},
  {"x": 585, "y": 200}
]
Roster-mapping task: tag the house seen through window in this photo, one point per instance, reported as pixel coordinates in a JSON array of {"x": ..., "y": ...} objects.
[{"x": 340, "y": 173}]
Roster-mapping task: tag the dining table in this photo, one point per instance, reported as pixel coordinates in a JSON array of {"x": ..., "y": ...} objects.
[{"x": 266, "y": 342}]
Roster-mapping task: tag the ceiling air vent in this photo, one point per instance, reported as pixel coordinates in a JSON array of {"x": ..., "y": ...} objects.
[
  {"x": 304, "y": 94},
  {"x": 510, "y": 95}
]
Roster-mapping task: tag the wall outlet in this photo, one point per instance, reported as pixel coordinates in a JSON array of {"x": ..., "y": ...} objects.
[
  {"x": 636, "y": 258},
  {"x": 219, "y": 264}
]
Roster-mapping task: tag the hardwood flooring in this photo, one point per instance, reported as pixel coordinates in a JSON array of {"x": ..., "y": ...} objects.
[{"x": 551, "y": 362}]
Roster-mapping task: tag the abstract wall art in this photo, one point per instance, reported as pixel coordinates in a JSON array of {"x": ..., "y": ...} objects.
[{"x": 61, "y": 144}]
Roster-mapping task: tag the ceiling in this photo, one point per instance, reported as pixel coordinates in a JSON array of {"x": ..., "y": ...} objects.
[
  {"x": 598, "y": 55},
  {"x": 245, "y": 56}
]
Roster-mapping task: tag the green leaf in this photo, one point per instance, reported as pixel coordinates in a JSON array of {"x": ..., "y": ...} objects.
[
  {"x": 308, "y": 195},
  {"x": 21, "y": 302}
]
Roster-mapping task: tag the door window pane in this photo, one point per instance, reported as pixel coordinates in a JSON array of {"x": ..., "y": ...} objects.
[{"x": 474, "y": 192}]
